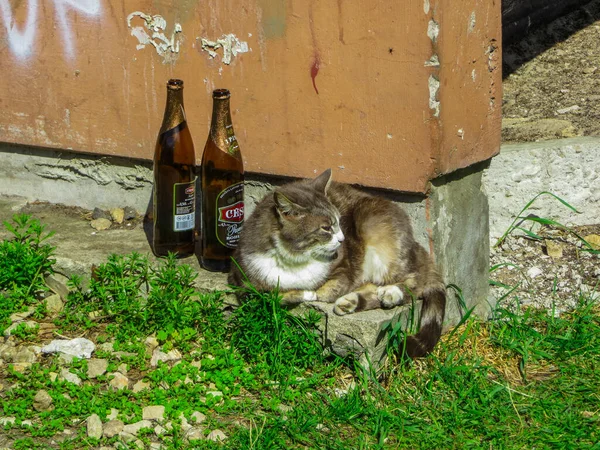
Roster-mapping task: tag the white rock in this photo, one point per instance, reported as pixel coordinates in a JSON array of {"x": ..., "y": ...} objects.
[
  {"x": 94, "y": 426},
  {"x": 112, "y": 428},
  {"x": 79, "y": 347},
  {"x": 198, "y": 417},
  {"x": 195, "y": 433},
  {"x": 156, "y": 412},
  {"x": 140, "y": 386},
  {"x": 97, "y": 367},
  {"x": 534, "y": 272},
  {"x": 118, "y": 381},
  {"x": 70, "y": 377},
  {"x": 216, "y": 435},
  {"x": 134, "y": 428}
]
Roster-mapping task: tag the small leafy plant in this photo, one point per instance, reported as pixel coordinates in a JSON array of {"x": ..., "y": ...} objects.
[{"x": 25, "y": 261}]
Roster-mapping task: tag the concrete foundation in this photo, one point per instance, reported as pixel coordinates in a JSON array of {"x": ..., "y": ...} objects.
[{"x": 451, "y": 222}]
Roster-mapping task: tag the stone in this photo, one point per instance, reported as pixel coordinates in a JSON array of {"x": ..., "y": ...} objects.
[
  {"x": 184, "y": 423},
  {"x": 114, "y": 413},
  {"x": 112, "y": 428},
  {"x": 21, "y": 316},
  {"x": 21, "y": 367},
  {"x": 216, "y": 435},
  {"x": 122, "y": 368},
  {"x": 98, "y": 213},
  {"x": 118, "y": 381},
  {"x": 69, "y": 377},
  {"x": 195, "y": 433},
  {"x": 42, "y": 401},
  {"x": 156, "y": 412},
  {"x": 157, "y": 355},
  {"x": 554, "y": 249},
  {"x": 97, "y": 367},
  {"x": 134, "y": 428},
  {"x": 593, "y": 240},
  {"x": 534, "y": 272},
  {"x": 150, "y": 343},
  {"x": 129, "y": 213},
  {"x": 101, "y": 224},
  {"x": 94, "y": 427},
  {"x": 58, "y": 284},
  {"x": 117, "y": 214},
  {"x": 198, "y": 417},
  {"x": 78, "y": 347},
  {"x": 28, "y": 324},
  {"x": 140, "y": 386},
  {"x": 54, "y": 305},
  {"x": 159, "y": 430},
  {"x": 24, "y": 355}
]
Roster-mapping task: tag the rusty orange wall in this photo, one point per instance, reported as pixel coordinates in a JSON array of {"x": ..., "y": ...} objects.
[{"x": 341, "y": 84}]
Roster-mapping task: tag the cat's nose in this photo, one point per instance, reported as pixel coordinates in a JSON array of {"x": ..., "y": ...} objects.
[{"x": 339, "y": 236}]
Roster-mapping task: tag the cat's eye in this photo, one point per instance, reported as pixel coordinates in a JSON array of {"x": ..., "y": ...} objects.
[{"x": 326, "y": 228}]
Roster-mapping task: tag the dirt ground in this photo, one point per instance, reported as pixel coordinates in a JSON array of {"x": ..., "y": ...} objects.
[{"x": 552, "y": 80}]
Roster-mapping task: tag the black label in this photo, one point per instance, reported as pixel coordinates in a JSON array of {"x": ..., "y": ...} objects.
[{"x": 230, "y": 215}]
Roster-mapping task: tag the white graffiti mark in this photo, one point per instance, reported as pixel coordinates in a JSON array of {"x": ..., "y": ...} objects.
[
  {"x": 229, "y": 42},
  {"x": 89, "y": 7},
  {"x": 21, "y": 42},
  {"x": 165, "y": 47}
]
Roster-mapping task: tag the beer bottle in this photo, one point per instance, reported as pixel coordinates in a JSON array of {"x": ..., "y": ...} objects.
[
  {"x": 222, "y": 188},
  {"x": 174, "y": 180}
]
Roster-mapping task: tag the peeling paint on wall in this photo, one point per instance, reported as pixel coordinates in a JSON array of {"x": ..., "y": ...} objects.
[
  {"x": 434, "y": 61},
  {"x": 101, "y": 172},
  {"x": 165, "y": 47},
  {"x": 230, "y": 44},
  {"x": 433, "y": 30},
  {"x": 472, "y": 22},
  {"x": 434, "y": 87}
]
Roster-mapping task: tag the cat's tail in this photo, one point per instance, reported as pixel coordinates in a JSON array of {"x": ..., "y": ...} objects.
[{"x": 432, "y": 315}]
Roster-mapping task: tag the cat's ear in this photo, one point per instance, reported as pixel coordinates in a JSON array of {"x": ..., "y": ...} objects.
[
  {"x": 285, "y": 206},
  {"x": 322, "y": 182}
]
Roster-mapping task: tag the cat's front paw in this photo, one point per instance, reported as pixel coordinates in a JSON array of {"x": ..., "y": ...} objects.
[
  {"x": 346, "y": 304},
  {"x": 390, "y": 296}
]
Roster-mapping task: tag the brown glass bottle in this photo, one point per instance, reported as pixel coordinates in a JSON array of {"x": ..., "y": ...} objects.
[
  {"x": 222, "y": 188},
  {"x": 174, "y": 200}
]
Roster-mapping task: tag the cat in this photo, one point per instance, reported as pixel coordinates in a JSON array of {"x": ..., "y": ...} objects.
[{"x": 316, "y": 239}]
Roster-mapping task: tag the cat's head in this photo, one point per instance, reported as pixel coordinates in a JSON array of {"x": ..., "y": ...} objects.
[{"x": 309, "y": 225}]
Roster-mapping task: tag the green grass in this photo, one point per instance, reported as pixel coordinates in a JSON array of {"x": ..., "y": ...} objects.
[{"x": 524, "y": 379}]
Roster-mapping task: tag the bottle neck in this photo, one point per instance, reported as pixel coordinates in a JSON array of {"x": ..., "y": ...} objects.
[
  {"x": 221, "y": 123},
  {"x": 174, "y": 111}
]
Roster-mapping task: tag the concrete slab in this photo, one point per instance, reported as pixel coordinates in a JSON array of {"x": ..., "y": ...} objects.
[{"x": 569, "y": 168}]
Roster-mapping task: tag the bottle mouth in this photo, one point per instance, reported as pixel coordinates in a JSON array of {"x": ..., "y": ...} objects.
[
  {"x": 221, "y": 93},
  {"x": 175, "y": 83}
]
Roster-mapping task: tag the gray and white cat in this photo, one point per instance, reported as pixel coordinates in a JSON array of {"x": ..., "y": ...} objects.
[{"x": 320, "y": 240}]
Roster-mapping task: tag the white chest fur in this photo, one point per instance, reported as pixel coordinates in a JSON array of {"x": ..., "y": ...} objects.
[{"x": 308, "y": 276}]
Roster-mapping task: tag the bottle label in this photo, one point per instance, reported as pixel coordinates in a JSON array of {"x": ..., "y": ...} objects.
[
  {"x": 230, "y": 215},
  {"x": 184, "y": 206}
]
